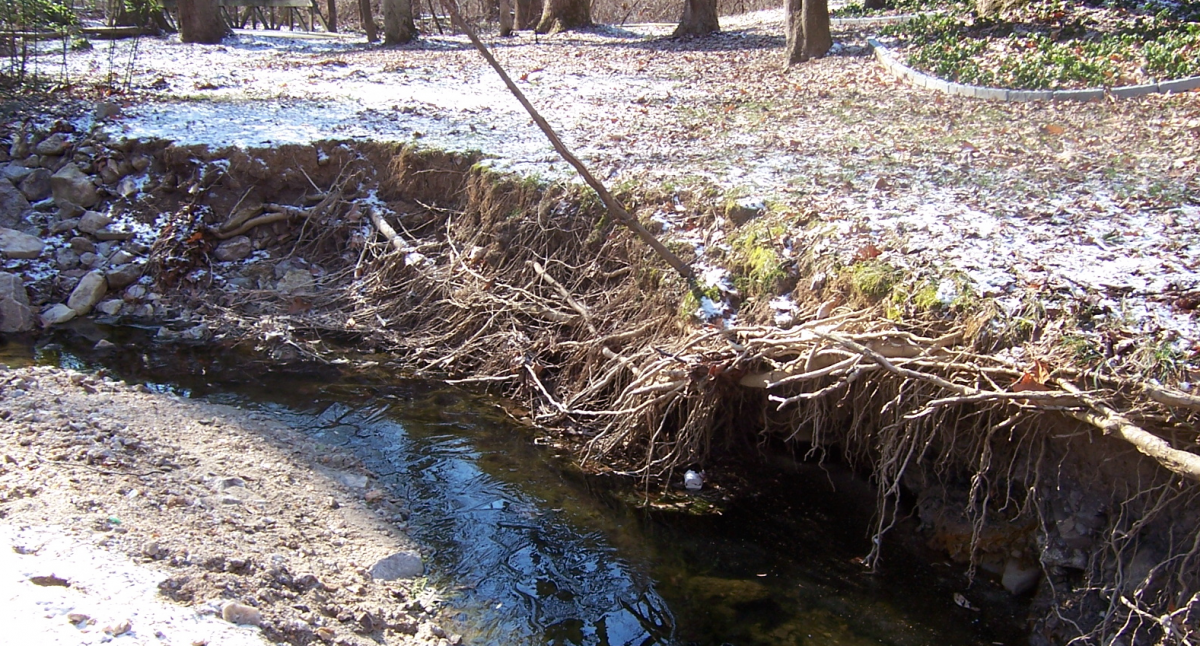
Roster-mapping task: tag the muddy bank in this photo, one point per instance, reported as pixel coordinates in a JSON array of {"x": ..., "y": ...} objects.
[{"x": 444, "y": 268}]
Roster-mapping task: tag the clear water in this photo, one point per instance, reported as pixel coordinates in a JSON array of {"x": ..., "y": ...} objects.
[{"x": 538, "y": 553}]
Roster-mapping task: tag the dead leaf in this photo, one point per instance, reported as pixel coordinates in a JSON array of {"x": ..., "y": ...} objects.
[
  {"x": 867, "y": 252},
  {"x": 1053, "y": 129}
]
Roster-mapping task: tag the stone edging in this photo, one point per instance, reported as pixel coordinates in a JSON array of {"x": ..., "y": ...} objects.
[
  {"x": 873, "y": 20},
  {"x": 902, "y": 71}
]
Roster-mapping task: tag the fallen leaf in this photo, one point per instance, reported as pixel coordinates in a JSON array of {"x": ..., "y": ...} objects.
[
  {"x": 867, "y": 252},
  {"x": 1053, "y": 129}
]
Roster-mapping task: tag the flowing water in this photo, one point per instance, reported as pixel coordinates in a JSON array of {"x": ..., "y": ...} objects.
[{"x": 535, "y": 552}]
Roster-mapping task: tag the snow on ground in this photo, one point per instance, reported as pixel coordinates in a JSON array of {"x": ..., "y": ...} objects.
[
  {"x": 100, "y": 597},
  {"x": 719, "y": 111}
]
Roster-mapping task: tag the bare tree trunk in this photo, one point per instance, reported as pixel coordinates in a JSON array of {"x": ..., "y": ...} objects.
[
  {"x": 528, "y": 13},
  {"x": 368, "y": 20},
  {"x": 506, "y": 18},
  {"x": 331, "y": 22},
  {"x": 807, "y": 29},
  {"x": 200, "y": 22},
  {"x": 398, "y": 27},
  {"x": 561, "y": 15},
  {"x": 875, "y": 4},
  {"x": 699, "y": 18}
]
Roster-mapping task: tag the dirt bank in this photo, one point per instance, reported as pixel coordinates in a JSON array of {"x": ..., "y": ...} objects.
[{"x": 142, "y": 516}]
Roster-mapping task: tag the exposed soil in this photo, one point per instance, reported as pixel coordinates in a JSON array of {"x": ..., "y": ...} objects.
[{"x": 128, "y": 498}]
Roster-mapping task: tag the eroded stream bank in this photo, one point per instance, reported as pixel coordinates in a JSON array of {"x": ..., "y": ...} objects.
[
  {"x": 526, "y": 549},
  {"x": 445, "y": 269}
]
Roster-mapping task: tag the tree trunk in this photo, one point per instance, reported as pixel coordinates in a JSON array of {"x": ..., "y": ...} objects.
[
  {"x": 699, "y": 19},
  {"x": 875, "y": 4},
  {"x": 368, "y": 20},
  {"x": 807, "y": 29},
  {"x": 398, "y": 27},
  {"x": 331, "y": 22},
  {"x": 561, "y": 15},
  {"x": 506, "y": 18},
  {"x": 528, "y": 12},
  {"x": 200, "y": 22}
]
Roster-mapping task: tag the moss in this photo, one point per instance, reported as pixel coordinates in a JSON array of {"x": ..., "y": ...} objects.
[{"x": 873, "y": 279}]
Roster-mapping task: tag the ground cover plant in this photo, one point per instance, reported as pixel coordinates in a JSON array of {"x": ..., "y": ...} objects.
[{"x": 1056, "y": 45}]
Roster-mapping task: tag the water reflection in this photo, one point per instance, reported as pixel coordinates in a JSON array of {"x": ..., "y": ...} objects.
[{"x": 532, "y": 577}]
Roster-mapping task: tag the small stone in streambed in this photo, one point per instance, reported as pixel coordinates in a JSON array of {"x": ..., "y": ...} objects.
[
  {"x": 401, "y": 565},
  {"x": 240, "y": 613}
]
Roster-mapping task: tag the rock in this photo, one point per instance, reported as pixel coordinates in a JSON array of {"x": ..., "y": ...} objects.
[
  {"x": 401, "y": 565},
  {"x": 71, "y": 186},
  {"x": 57, "y": 314},
  {"x": 109, "y": 173},
  {"x": 140, "y": 163},
  {"x": 1019, "y": 578},
  {"x": 124, "y": 275},
  {"x": 36, "y": 187},
  {"x": 54, "y": 145},
  {"x": 325, "y": 634},
  {"x": 15, "y": 316},
  {"x": 295, "y": 281},
  {"x": 12, "y": 287},
  {"x": 120, "y": 258},
  {"x": 106, "y": 110},
  {"x": 82, "y": 244},
  {"x": 110, "y": 307},
  {"x": 135, "y": 293},
  {"x": 235, "y": 249},
  {"x": 109, "y": 233},
  {"x": 66, "y": 258},
  {"x": 240, "y": 613},
  {"x": 104, "y": 345},
  {"x": 13, "y": 204},
  {"x": 118, "y": 628},
  {"x": 88, "y": 292},
  {"x": 128, "y": 187},
  {"x": 15, "y": 172},
  {"x": 93, "y": 221},
  {"x": 14, "y": 244},
  {"x": 89, "y": 259},
  {"x": 69, "y": 211},
  {"x": 63, "y": 226}
]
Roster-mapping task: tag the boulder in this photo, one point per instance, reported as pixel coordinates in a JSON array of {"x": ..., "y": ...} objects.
[
  {"x": 234, "y": 249},
  {"x": 54, "y": 145},
  {"x": 14, "y": 316},
  {"x": 401, "y": 565},
  {"x": 15, "y": 172},
  {"x": 12, "y": 287},
  {"x": 60, "y": 313},
  {"x": 110, "y": 307},
  {"x": 66, "y": 258},
  {"x": 13, "y": 204},
  {"x": 82, "y": 244},
  {"x": 14, "y": 244},
  {"x": 123, "y": 276},
  {"x": 72, "y": 186},
  {"x": 88, "y": 292},
  {"x": 36, "y": 186},
  {"x": 92, "y": 221}
]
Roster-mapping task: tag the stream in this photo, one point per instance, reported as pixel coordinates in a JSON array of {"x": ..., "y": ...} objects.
[{"x": 533, "y": 551}]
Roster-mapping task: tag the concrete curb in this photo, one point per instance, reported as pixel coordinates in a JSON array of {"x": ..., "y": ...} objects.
[{"x": 901, "y": 71}]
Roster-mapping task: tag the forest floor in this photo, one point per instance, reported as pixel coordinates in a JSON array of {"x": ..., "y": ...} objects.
[{"x": 1067, "y": 205}]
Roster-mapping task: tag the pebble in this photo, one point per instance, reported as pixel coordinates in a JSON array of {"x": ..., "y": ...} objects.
[{"x": 240, "y": 613}]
